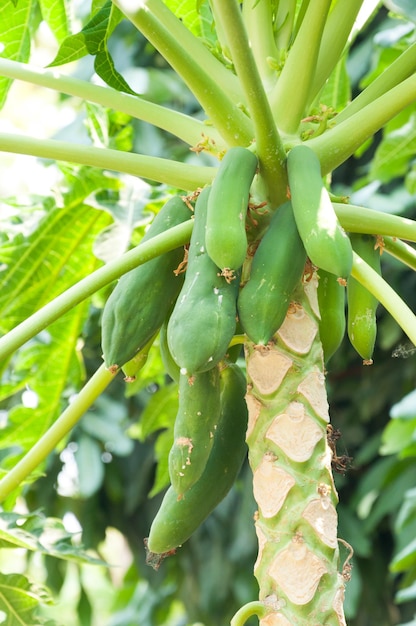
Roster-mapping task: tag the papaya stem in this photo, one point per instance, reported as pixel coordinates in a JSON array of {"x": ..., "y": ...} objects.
[
  {"x": 187, "y": 128},
  {"x": 59, "y": 429},
  {"x": 169, "y": 240},
  {"x": 401, "y": 251},
  {"x": 400, "y": 69},
  {"x": 335, "y": 36},
  {"x": 270, "y": 150},
  {"x": 386, "y": 295},
  {"x": 166, "y": 171},
  {"x": 291, "y": 93},
  {"x": 258, "y": 20},
  {"x": 213, "y": 85},
  {"x": 248, "y": 610},
  {"x": 358, "y": 219},
  {"x": 342, "y": 140}
]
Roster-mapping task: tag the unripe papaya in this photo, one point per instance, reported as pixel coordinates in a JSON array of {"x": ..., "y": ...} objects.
[
  {"x": 176, "y": 519},
  {"x": 204, "y": 317},
  {"x": 325, "y": 241},
  {"x": 277, "y": 268},
  {"x": 331, "y": 299},
  {"x": 226, "y": 237},
  {"x": 194, "y": 429},
  {"x": 362, "y": 305},
  {"x": 143, "y": 297}
]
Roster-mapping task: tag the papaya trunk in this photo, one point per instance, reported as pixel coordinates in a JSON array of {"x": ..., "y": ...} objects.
[{"x": 296, "y": 523}]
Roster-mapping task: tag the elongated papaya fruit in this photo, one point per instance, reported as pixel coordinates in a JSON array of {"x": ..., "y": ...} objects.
[
  {"x": 176, "y": 519},
  {"x": 326, "y": 243},
  {"x": 194, "y": 429},
  {"x": 171, "y": 367},
  {"x": 331, "y": 299},
  {"x": 204, "y": 317},
  {"x": 277, "y": 267},
  {"x": 226, "y": 238},
  {"x": 362, "y": 305},
  {"x": 143, "y": 297}
]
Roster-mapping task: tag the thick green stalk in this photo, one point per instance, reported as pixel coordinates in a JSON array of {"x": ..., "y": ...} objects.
[
  {"x": 403, "y": 67},
  {"x": 291, "y": 93},
  {"x": 175, "y": 173},
  {"x": 47, "y": 443},
  {"x": 270, "y": 151},
  {"x": 386, "y": 295},
  {"x": 187, "y": 128},
  {"x": 284, "y": 24},
  {"x": 213, "y": 85},
  {"x": 258, "y": 20},
  {"x": 298, "y": 562},
  {"x": 358, "y": 219},
  {"x": 337, "y": 144},
  {"x": 334, "y": 39},
  {"x": 31, "y": 326},
  {"x": 401, "y": 251}
]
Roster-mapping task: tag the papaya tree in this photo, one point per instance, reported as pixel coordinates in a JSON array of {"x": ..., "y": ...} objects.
[{"x": 252, "y": 254}]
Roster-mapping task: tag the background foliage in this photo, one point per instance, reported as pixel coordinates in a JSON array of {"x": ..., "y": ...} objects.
[{"x": 100, "y": 490}]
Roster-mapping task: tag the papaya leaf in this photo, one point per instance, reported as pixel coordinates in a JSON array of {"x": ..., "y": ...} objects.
[
  {"x": 337, "y": 93},
  {"x": 53, "y": 370},
  {"x": 159, "y": 413},
  {"x": 162, "y": 446},
  {"x": 46, "y": 535},
  {"x": 56, "y": 15},
  {"x": 92, "y": 39},
  {"x": 20, "y": 599},
  {"x": 36, "y": 268},
  {"x": 15, "y": 31},
  {"x": 396, "y": 150},
  {"x": 196, "y": 16}
]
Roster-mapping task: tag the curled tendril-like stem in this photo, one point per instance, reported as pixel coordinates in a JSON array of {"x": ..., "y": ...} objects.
[{"x": 248, "y": 610}]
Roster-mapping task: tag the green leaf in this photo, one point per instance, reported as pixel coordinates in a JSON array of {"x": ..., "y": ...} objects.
[
  {"x": 20, "y": 599},
  {"x": 15, "y": 30},
  {"x": 56, "y": 15},
  {"x": 46, "y": 535},
  {"x": 160, "y": 411},
  {"x": 405, "y": 559},
  {"x": 93, "y": 40},
  {"x": 394, "y": 153},
  {"x": 162, "y": 447},
  {"x": 337, "y": 92},
  {"x": 196, "y": 16},
  {"x": 397, "y": 436},
  {"x": 49, "y": 260}
]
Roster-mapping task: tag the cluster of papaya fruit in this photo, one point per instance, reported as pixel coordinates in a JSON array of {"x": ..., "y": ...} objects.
[{"x": 196, "y": 313}]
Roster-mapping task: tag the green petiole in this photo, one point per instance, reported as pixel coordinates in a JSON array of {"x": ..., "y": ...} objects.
[
  {"x": 386, "y": 295},
  {"x": 337, "y": 30},
  {"x": 248, "y": 610},
  {"x": 169, "y": 240},
  {"x": 258, "y": 20},
  {"x": 47, "y": 443},
  {"x": 403, "y": 67},
  {"x": 213, "y": 85},
  {"x": 187, "y": 128},
  {"x": 173, "y": 173},
  {"x": 292, "y": 91},
  {"x": 357, "y": 219},
  {"x": 337, "y": 144},
  {"x": 270, "y": 150},
  {"x": 401, "y": 251}
]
